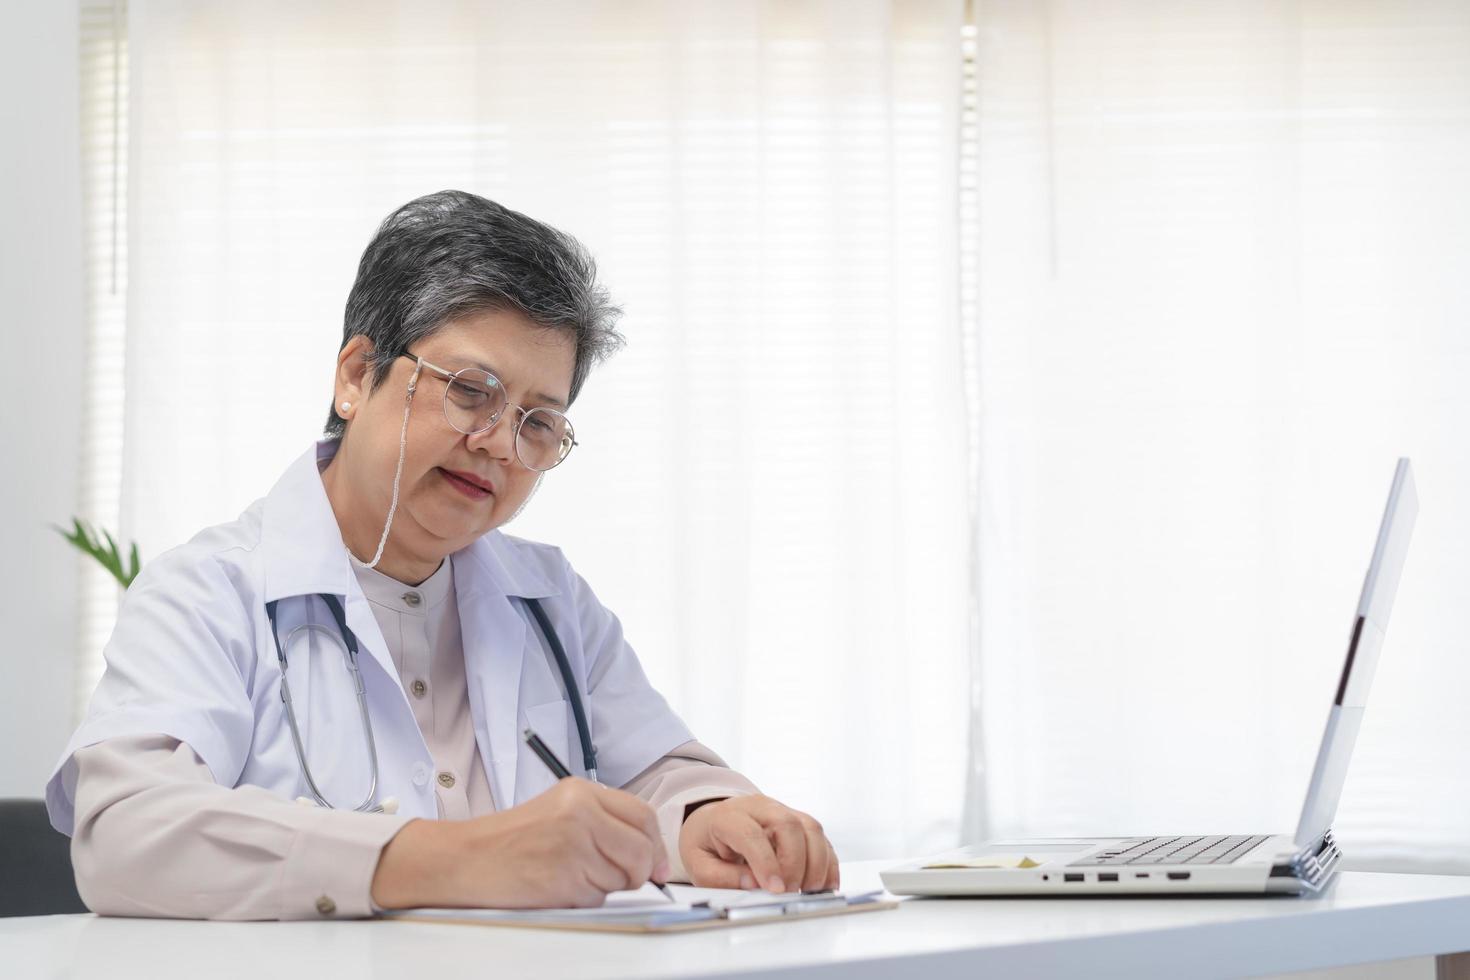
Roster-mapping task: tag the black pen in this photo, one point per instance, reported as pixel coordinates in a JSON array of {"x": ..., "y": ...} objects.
[{"x": 560, "y": 771}]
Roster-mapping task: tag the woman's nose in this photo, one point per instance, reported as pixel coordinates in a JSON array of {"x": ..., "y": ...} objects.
[{"x": 498, "y": 440}]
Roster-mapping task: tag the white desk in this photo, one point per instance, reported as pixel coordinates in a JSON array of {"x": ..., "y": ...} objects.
[{"x": 1363, "y": 917}]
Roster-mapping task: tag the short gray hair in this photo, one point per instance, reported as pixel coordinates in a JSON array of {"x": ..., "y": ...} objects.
[{"x": 445, "y": 255}]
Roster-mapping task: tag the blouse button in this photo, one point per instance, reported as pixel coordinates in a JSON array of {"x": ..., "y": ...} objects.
[
  {"x": 420, "y": 774},
  {"x": 325, "y": 905},
  {"x": 419, "y": 688},
  {"x": 446, "y": 779},
  {"x": 412, "y": 599}
]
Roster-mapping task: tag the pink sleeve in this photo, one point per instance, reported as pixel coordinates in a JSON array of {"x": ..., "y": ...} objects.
[
  {"x": 156, "y": 836},
  {"x": 690, "y": 774}
]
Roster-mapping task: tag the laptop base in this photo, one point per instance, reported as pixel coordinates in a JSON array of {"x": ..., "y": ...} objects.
[{"x": 1059, "y": 867}]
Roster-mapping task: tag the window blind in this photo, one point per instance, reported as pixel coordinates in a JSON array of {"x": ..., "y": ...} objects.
[{"x": 103, "y": 64}]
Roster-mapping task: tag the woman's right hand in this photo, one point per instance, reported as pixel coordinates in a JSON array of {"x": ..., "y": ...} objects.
[{"x": 568, "y": 847}]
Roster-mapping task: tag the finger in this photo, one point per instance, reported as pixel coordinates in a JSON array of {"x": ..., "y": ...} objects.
[
  {"x": 740, "y": 832},
  {"x": 708, "y": 870},
  {"x": 586, "y": 873},
  {"x": 634, "y": 813},
  {"x": 629, "y": 809},
  {"x": 627, "y": 849},
  {"x": 709, "y": 861},
  {"x": 817, "y": 853},
  {"x": 602, "y": 873},
  {"x": 834, "y": 870},
  {"x": 784, "y": 826}
]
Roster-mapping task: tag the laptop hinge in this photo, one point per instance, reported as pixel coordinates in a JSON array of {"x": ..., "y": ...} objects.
[{"x": 1312, "y": 865}]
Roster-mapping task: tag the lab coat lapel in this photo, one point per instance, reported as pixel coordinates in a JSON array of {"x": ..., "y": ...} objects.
[
  {"x": 489, "y": 587},
  {"x": 364, "y": 624},
  {"x": 494, "y": 636},
  {"x": 390, "y": 710}
]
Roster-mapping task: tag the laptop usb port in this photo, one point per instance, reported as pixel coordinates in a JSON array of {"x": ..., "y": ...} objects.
[
  {"x": 1073, "y": 876},
  {"x": 1107, "y": 876},
  {"x": 1178, "y": 875}
]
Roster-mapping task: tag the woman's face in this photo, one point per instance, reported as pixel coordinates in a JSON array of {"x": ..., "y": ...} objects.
[{"x": 438, "y": 512}]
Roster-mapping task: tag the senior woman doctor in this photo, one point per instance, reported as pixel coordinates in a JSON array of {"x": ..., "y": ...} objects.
[{"x": 469, "y": 331}]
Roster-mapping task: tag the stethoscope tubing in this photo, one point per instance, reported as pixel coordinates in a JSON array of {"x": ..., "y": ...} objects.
[
  {"x": 348, "y": 640},
  {"x": 584, "y": 731}
]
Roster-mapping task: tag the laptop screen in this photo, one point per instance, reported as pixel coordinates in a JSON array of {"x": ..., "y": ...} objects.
[{"x": 1369, "y": 625}]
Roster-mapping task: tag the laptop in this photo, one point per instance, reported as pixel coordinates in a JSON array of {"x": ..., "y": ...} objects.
[{"x": 1251, "y": 864}]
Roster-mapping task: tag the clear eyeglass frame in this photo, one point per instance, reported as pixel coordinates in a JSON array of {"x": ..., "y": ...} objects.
[{"x": 551, "y": 436}]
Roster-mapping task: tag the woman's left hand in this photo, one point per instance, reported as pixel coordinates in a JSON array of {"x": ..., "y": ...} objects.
[{"x": 753, "y": 841}]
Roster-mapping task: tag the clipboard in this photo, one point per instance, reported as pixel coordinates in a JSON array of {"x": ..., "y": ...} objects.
[{"x": 681, "y": 917}]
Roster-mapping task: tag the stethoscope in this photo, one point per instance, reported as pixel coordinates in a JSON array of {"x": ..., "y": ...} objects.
[{"x": 345, "y": 638}]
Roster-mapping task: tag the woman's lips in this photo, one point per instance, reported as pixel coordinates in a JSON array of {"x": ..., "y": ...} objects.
[{"x": 472, "y": 490}]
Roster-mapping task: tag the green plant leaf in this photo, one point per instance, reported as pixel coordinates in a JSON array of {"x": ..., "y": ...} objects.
[
  {"x": 84, "y": 538},
  {"x": 111, "y": 558}
]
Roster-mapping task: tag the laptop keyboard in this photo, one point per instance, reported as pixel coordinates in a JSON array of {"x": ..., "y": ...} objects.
[{"x": 1171, "y": 850}]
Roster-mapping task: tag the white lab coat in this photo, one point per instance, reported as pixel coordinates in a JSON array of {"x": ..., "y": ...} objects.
[{"x": 192, "y": 657}]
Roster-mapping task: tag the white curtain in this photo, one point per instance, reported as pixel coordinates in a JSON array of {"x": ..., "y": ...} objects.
[
  {"x": 1220, "y": 284},
  {"x": 771, "y": 489}
]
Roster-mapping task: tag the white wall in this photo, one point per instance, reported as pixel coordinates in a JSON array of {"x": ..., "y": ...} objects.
[{"x": 42, "y": 317}]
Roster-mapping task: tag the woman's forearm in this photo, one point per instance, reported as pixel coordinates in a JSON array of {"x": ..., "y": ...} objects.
[{"x": 156, "y": 836}]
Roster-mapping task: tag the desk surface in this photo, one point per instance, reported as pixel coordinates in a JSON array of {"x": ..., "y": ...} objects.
[{"x": 1363, "y": 917}]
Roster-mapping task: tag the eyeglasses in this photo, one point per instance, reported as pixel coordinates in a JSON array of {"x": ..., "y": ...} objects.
[{"x": 474, "y": 400}]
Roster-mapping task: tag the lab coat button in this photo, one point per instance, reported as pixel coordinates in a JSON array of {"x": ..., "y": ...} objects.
[
  {"x": 325, "y": 905},
  {"x": 419, "y": 688},
  {"x": 412, "y": 599},
  {"x": 446, "y": 779},
  {"x": 420, "y": 774}
]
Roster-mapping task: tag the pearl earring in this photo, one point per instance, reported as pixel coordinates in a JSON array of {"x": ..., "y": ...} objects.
[{"x": 346, "y": 406}]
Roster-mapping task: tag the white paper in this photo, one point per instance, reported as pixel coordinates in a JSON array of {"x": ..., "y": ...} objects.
[{"x": 645, "y": 900}]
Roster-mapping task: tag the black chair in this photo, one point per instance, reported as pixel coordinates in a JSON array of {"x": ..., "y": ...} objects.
[{"x": 35, "y": 863}]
